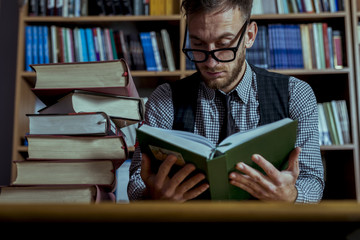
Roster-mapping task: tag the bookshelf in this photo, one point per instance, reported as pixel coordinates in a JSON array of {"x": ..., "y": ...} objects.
[
  {"x": 355, "y": 13},
  {"x": 341, "y": 161}
]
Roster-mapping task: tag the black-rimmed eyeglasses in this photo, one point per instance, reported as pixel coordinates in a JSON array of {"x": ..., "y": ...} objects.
[{"x": 220, "y": 55}]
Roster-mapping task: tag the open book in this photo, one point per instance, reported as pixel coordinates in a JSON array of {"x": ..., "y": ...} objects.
[{"x": 273, "y": 141}]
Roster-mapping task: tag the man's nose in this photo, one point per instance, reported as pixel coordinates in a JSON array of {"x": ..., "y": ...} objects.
[{"x": 211, "y": 62}]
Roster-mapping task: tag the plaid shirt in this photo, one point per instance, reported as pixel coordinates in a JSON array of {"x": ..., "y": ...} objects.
[{"x": 245, "y": 111}]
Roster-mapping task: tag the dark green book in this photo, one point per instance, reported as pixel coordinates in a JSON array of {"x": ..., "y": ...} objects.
[{"x": 273, "y": 141}]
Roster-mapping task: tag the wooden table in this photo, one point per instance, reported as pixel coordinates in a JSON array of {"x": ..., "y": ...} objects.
[{"x": 327, "y": 218}]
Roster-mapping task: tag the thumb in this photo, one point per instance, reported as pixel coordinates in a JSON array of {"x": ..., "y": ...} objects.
[
  {"x": 294, "y": 161},
  {"x": 145, "y": 172}
]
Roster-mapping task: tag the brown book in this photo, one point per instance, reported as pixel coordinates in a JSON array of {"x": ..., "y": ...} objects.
[
  {"x": 57, "y": 194},
  {"x": 96, "y": 123},
  {"x": 47, "y": 147},
  {"x": 55, "y": 80},
  {"x": 123, "y": 111},
  {"x": 64, "y": 173}
]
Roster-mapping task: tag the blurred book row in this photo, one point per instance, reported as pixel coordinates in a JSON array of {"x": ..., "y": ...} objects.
[
  {"x": 296, "y": 6},
  {"x": 78, "y": 8},
  {"x": 304, "y": 46},
  {"x": 150, "y": 51},
  {"x": 334, "y": 124}
]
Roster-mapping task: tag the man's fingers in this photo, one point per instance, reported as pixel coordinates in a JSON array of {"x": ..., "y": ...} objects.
[
  {"x": 179, "y": 177},
  {"x": 164, "y": 169},
  {"x": 195, "y": 192},
  {"x": 248, "y": 184},
  {"x": 294, "y": 161},
  {"x": 253, "y": 179},
  {"x": 268, "y": 168},
  {"x": 145, "y": 172}
]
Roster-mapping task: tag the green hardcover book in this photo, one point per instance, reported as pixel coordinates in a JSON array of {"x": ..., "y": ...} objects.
[{"x": 273, "y": 141}]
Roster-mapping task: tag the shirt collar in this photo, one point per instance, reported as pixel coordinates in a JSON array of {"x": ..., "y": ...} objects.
[{"x": 242, "y": 89}]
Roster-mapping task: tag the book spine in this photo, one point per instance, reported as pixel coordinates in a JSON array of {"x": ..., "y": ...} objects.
[
  {"x": 168, "y": 50},
  {"x": 326, "y": 45},
  {"x": 331, "y": 47},
  {"x": 35, "y": 45},
  {"x": 155, "y": 48},
  {"x": 148, "y": 52},
  {"x": 28, "y": 48},
  {"x": 90, "y": 44},
  {"x": 113, "y": 46},
  {"x": 78, "y": 46},
  {"x": 46, "y": 44},
  {"x": 84, "y": 45},
  {"x": 107, "y": 42},
  {"x": 337, "y": 44},
  {"x": 125, "y": 48},
  {"x": 96, "y": 44},
  {"x": 54, "y": 46},
  {"x": 40, "y": 44}
]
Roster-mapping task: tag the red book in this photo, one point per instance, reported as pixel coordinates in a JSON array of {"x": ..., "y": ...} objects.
[
  {"x": 58, "y": 194},
  {"x": 338, "y": 54},
  {"x": 326, "y": 45},
  {"x": 53, "y": 81}
]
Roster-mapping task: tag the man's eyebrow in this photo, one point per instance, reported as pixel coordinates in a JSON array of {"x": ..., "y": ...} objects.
[{"x": 224, "y": 35}]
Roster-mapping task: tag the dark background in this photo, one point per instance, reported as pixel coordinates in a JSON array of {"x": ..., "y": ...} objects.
[{"x": 8, "y": 49}]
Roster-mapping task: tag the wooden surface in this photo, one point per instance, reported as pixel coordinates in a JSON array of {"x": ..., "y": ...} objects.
[
  {"x": 193, "y": 220},
  {"x": 253, "y": 211}
]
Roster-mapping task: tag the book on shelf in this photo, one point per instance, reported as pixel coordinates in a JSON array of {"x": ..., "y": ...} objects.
[
  {"x": 97, "y": 123},
  {"x": 54, "y": 81},
  {"x": 273, "y": 141},
  {"x": 338, "y": 49},
  {"x": 64, "y": 173},
  {"x": 122, "y": 110},
  {"x": 296, "y": 6},
  {"x": 47, "y": 194},
  {"x": 334, "y": 124},
  {"x": 297, "y": 46}
]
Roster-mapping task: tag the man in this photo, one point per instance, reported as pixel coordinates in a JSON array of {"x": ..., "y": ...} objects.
[{"x": 219, "y": 33}]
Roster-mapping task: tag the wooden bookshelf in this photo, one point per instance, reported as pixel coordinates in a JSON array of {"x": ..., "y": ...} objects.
[
  {"x": 341, "y": 162},
  {"x": 355, "y": 14},
  {"x": 328, "y": 84}
]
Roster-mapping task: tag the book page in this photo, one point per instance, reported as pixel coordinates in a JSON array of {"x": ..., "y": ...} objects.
[
  {"x": 186, "y": 140},
  {"x": 241, "y": 137}
]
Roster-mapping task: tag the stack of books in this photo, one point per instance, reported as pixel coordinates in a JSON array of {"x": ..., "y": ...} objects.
[{"x": 75, "y": 143}]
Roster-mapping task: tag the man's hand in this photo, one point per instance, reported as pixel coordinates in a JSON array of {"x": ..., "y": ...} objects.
[
  {"x": 161, "y": 186},
  {"x": 275, "y": 185}
]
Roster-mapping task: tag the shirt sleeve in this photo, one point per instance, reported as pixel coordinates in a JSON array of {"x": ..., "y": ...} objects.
[
  {"x": 158, "y": 113},
  {"x": 303, "y": 107}
]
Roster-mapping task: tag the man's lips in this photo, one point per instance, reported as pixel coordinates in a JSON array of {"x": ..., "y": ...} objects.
[{"x": 214, "y": 74}]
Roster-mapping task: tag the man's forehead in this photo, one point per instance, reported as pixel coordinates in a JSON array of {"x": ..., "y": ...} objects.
[
  {"x": 214, "y": 24},
  {"x": 218, "y": 18}
]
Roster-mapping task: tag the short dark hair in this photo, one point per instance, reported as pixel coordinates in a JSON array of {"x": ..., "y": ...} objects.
[{"x": 193, "y": 6}]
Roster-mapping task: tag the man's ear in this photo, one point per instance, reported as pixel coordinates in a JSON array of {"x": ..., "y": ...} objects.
[{"x": 251, "y": 34}]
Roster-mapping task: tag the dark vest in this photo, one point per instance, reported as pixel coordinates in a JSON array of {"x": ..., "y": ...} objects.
[{"x": 273, "y": 93}]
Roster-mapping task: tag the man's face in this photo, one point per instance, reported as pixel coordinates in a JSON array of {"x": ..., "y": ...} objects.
[{"x": 210, "y": 31}]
